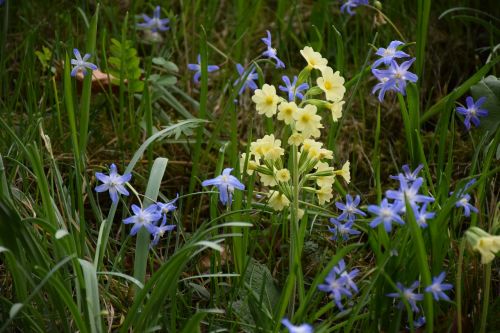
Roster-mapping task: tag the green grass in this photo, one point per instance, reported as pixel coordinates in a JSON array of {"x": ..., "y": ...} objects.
[{"x": 69, "y": 264}]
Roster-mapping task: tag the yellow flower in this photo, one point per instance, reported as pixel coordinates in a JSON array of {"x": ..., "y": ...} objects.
[
  {"x": 251, "y": 164},
  {"x": 488, "y": 247},
  {"x": 311, "y": 144},
  {"x": 324, "y": 194},
  {"x": 313, "y": 148},
  {"x": 314, "y": 59},
  {"x": 278, "y": 200},
  {"x": 286, "y": 111},
  {"x": 324, "y": 181},
  {"x": 283, "y": 175},
  {"x": 336, "y": 108},
  {"x": 295, "y": 139},
  {"x": 325, "y": 154},
  {"x": 345, "y": 172},
  {"x": 300, "y": 214},
  {"x": 267, "y": 180},
  {"x": 308, "y": 122},
  {"x": 266, "y": 100},
  {"x": 267, "y": 147},
  {"x": 332, "y": 84}
]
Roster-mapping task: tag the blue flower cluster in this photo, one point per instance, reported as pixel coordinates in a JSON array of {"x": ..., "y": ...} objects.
[
  {"x": 393, "y": 78},
  {"x": 409, "y": 186},
  {"x": 149, "y": 217},
  {"x": 349, "y": 211},
  {"x": 339, "y": 283},
  {"x": 437, "y": 288},
  {"x": 248, "y": 76}
]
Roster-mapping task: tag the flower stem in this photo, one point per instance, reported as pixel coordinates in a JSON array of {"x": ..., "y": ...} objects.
[{"x": 294, "y": 256}]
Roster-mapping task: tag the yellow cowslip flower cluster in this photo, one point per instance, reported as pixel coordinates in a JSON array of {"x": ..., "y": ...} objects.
[
  {"x": 487, "y": 245},
  {"x": 267, "y": 156}
]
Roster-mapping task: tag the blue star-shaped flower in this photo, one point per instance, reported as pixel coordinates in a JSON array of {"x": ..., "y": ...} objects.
[
  {"x": 143, "y": 218},
  {"x": 464, "y": 198},
  {"x": 349, "y": 209},
  {"x": 114, "y": 183},
  {"x": 463, "y": 202},
  {"x": 336, "y": 287},
  {"x": 422, "y": 215},
  {"x": 342, "y": 230},
  {"x": 167, "y": 207},
  {"x": 408, "y": 175},
  {"x": 350, "y": 4},
  {"x": 341, "y": 270},
  {"x": 389, "y": 54},
  {"x": 291, "y": 89},
  {"x": 303, "y": 328},
  {"x": 386, "y": 214},
  {"x": 408, "y": 192},
  {"x": 408, "y": 294},
  {"x": 158, "y": 231},
  {"x": 384, "y": 85},
  {"x": 394, "y": 78},
  {"x": 155, "y": 23},
  {"x": 226, "y": 183},
  {"x": 271, "y": 52},
  {"x": 81, "y": 63},
  {"x": 197, "y": 69},
  {"x": 249, "y": 80},
  {"x": 437, "y": 287},
  {"x": 473, "y": 111}
]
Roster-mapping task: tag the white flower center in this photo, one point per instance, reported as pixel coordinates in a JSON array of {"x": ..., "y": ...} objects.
[
  {"x": 385, "y": 213},
  {"x": 335, "y": 284},
  {"x": 399, "y": 74},
  {"x": 389, "y": 53}
]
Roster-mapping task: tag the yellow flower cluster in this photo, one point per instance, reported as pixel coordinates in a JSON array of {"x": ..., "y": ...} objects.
[
  {"x": 314, "y": 174},
  {"x": 331, "y": 83}
]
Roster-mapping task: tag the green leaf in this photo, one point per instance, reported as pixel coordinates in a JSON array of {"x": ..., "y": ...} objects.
[
  {"x": 15, "y": 309},
  {"x": 92, "y": 295},
  {"x": 168, "y": 65},
  {"x": 489, "y": 87},
  {"x": 130, "y": 70},
  {"x": 143, "y": 237},
  {"x": 193, "y": 325}
]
